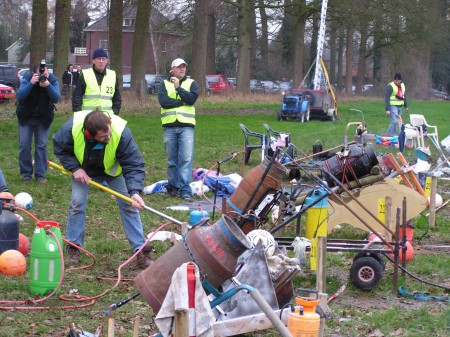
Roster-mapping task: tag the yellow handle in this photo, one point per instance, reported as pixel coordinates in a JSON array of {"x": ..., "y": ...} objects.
[{"x": 93, "y": 183}]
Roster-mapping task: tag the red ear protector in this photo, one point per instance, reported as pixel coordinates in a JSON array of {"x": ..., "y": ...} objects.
[{"x": 88, "y": 135}]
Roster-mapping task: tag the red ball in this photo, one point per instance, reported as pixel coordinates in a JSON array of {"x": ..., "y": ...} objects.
[
  {"x": 24, "y": 244},
  {"x": 12, "y": 263}
]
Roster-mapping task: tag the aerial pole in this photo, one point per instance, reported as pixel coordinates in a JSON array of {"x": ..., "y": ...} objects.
[{"x": 318, "y": 74}]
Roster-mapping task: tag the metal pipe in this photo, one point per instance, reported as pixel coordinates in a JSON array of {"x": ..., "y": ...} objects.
[{"x": 117, "y": 194}]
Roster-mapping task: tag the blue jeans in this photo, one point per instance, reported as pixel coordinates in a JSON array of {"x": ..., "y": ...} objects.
[
  {"x": 3, "y": 187},
  {"x": 179, "y": 145},
  {"x": 131, "y": 219},
  {"x": 41, "y": 134},
  {"x": 393, "y": 127}
]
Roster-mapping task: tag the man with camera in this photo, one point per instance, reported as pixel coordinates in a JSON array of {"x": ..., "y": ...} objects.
[
  {"x": 37, "y": 95},
  {"x": 97, "y": 87}
]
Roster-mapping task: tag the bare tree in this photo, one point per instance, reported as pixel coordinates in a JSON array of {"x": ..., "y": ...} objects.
[
  {"x": 115, "y": 22},
  {"x": 349, "y": 60},
  {"x": 139, "y": 58},
  {"x": 61, "y": 42},
  {"x": 38, "y": 32}
]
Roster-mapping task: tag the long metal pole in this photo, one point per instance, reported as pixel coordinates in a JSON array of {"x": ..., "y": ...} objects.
[{"x": 117, "y": 194}]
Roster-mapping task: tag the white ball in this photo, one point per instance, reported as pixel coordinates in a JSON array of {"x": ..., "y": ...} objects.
[
  {"x": 268, "y": 241},
  {"x": 197, "y": 188},
  {"x": 24, "y": 200},
  {"x": 439, "y": 200}
]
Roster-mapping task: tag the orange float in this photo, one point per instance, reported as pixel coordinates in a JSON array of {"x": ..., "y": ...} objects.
[
  {"x": 12, "y": 263},
  {"x": 24, "y": 244}
]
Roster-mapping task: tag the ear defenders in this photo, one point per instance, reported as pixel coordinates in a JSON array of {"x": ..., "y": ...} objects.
[{"x": 88, "y": 135}]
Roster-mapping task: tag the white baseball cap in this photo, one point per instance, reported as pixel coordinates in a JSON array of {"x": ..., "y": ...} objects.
[{"x": 178, "y": 62}]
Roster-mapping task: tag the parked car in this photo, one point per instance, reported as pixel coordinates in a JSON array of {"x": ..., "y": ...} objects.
[
  {"x": 271, "y": 86},
  {"x": 24, "y": 71},
  {"x": 9, "y": 75},
  {"x": 217, "y": 84},
  {"x": 256, "y": 86},
  {"x": 233, "y": 81},
  {"x": 153, "y": 82},
  {"x": 7, "y": 93}
]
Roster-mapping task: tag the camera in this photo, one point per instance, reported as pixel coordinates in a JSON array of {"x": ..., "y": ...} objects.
[{"x": 42, "y": 77}]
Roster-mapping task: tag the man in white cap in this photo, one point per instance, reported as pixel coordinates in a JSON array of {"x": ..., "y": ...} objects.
[
  {"x": 177, "y": 95},
  {"x": 97, "y": 87}
]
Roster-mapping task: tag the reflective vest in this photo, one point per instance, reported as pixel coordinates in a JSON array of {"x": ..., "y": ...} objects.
[
  {"x": 393, "y": 100},
  {"x": 184, "y": 113},
  {"x": 98, "y": 97},
  {"x": 112, "y": 167}
]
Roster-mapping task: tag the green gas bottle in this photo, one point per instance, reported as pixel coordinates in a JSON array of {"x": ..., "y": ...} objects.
[{"x": 45, "y": 259}]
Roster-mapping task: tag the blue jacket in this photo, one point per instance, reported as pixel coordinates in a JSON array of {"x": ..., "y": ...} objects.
[
  {"x": 127, "y": 154},
  {"x": 35, "y": 103}
]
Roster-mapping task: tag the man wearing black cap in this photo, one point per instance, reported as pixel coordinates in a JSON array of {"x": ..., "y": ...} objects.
[
  {"x": 394, "y": 100},
  {"x": 97, "y": 87}
]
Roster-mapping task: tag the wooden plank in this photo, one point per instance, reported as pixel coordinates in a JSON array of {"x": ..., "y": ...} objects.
[
  {"x": 411, "y": 174},
  {"x": 111, "y": 327},
  {"x": 399, "y": 170},
  {"x": 321, "y": 264},
  {"x": 432, "y": 217},
  {"x": 181, "y": 323},
  {"x": 369, "y": 196}
]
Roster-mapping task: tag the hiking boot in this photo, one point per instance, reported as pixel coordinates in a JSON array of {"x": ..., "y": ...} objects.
[
  {"x": 187, "y": 198},
  {"x": 42, "y": 181},
  {"x": 170, "y": 191},
  {"x": 74, "y": 256},
  {"x": 143, "y": 259}
]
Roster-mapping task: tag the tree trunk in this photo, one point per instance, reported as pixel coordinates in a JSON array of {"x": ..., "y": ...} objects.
[
  {"x": 333, "y": 52},
  {"x": 139, "y": 57},
  {"x": 211, "y": 43},
  {"x": 38, "y": 32},
  {"x": 264, "y": 39},
  {"x": 340, "y": 65},
  {"x": 115, "y": 37},
  {"x": 244, "y": 49},
  {"x": 61, "y": 43},
  {"x": 361, "y": 77},
  {"x": 299, "y": 45},
  {"x": 349, "y": 61},
  {"x": 200, "y": 43}
]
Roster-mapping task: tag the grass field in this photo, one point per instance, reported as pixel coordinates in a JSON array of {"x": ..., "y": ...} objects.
[{"x": 217, "y": 135}]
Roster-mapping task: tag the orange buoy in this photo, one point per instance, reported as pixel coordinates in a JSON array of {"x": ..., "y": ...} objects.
[
  {"x": 12, "y": 263},
  {"x": 24, "y": 244},
  {"x": 409, "y": 253}
]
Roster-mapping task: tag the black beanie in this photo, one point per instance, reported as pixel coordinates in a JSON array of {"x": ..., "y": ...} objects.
[{"x": 398, "y": 76}]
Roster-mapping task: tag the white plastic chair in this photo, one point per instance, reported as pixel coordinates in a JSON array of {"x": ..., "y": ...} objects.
[{"x": 419, "y": 121}]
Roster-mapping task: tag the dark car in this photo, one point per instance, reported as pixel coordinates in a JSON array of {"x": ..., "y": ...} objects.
[
  {"x": 9, "y": 75},
  {"x": 153, "y": 82}
]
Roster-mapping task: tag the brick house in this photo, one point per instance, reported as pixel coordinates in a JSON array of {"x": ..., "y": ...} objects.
[{"x": 163, "y": 45}]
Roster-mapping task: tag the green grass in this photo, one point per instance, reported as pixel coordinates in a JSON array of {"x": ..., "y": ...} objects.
[{"x": 217, "y": 135}]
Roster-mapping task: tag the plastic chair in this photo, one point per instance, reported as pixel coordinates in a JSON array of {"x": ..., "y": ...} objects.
[
  {"x": 250, "y": 145},
  {"x": 277, "y": 139},
  {"x": 426, "y": 129}
]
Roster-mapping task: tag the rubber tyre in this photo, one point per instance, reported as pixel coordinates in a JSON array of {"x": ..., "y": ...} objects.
[
  {"x": 379, "y": 257},
  {"x": 279, "y": 116},
  {"x": 366, "y": 273}
]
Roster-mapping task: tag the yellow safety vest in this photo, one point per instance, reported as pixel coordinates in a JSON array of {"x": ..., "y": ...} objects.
[
  {"x": 394, "y": 100},
  {"x": 118, "y": 124},
  {"x": 184, "y": 113},
  {"x": 98, "y": 97}
]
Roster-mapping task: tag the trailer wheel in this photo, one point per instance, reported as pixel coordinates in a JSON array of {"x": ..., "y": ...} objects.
[
  {"x": 379, "y": 257},
  {"x": 333, "y": 117},
  {"x": 366, "y": 273},
  {"x": 279, "y": 116}
]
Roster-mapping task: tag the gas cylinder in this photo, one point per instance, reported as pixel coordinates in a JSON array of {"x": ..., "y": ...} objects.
[
  {"x": 9, "y": 229},
  {"x": 304, "y": 322},
  {"x": 45, "y": 259},
  {"x": 197, "y": 215},
  {"x": 316, "y": 217}
]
